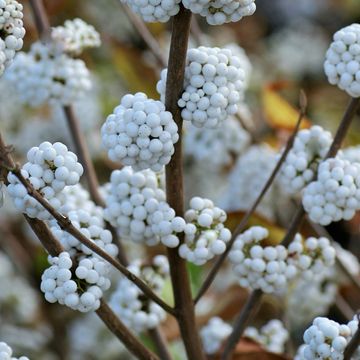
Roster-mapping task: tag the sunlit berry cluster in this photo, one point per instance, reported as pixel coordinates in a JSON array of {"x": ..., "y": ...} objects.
[
  {"x": 258, "y": 267},
  {"x": 140, "y": 133},
  {"x": 335, "y": 195},
  {"x": 309, "y": 148},
  {"x": 213, "y": 86},
  {"x": 312, "y": 256},
  {"x": 342, "y": 65},
  {"x": 79, "y": 285},
  {"x": 49, "y": 169},
  {"x": 327, "y": 339},
  {"x": 218, "y": 12},
  {"x": 154, "y": 11},
  {"x": 75, "y": 36},
  {"x": 12, "y": 31},
  {"x": 128, "y": 301},
  {"x": 205, "y": 233}
]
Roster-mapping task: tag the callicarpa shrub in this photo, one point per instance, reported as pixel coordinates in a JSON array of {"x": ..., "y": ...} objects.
[{"x": 162, "y": 197}]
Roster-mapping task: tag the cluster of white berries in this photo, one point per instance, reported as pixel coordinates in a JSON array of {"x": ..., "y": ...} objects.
[
  {"x": 218, "y": 12},
  {"x": 335, "y": 195},
  {"x": 11, "y": 31},
  {"x": 299, "y": 168},
  {"x": 213, "y": 334},
  {"x": 272, "y": 336},
  {"x": 154, "y": 11},
  {"x": 216, "y": 148},
  {"x": 136, "y": 206},
  {"x": 258, "y": 267},
  {"x": 312, "y": 256},
  {"x": 49, "y": 169},
  {"x": 75, "y": 36},
  {"x": 78, "y": 286},
  {"x": 128, "y": 301},
  {"x": 47, "y": 75},
  {"x": 6, "y": 353},
  {"x": 327, "y": 339},
  {"x": 91, "y": 226},
  {"x": 140, "y": 133},
  {"x": 248, "y": 176},
  {"x": 342, "y": 65},
  {"x": 213, "y": 86},
  {"x": 205, "y": 233}
]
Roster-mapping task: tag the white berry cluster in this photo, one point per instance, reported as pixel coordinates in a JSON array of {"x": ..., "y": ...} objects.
[
  {"x": 310, "y": 147},
  {"x": 351, "y": 153},
  {"x": 335, "y": 195},
  {"x": 218, "y": 12},
  {"x": 49, "y": 169},
  {"x": 12, "y": 31},
  {"x": 136, "y": 206},
  {"x": 154, "y": 11},
  {"x": 342, "y": 64},
  {"x": 205, "y": 233},
  {"x": 46, "y": 75},
  {"x": 272, "y": 336},
  {"x": 128, "y": 301},
  {"x": 213, "y": 86},
  {"x": 75, "y": 36},
  {"x": 258, "y": 267},
  {"x": 216, "y": 147},
  {"x": 248, "y": 177},
  {"x": 6, "y": 353},
  {"x": 140, "y": 133},
  {"x": 312, "y": 256},
  {"x": 91, "y": 226},
  {"x": 79, "y": 285},
  {"x": 213, "y": 334},
  {"x": 327, "y": 339},
  {"x": 308, "y": 298}
]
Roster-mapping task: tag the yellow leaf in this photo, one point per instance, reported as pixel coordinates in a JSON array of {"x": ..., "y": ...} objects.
[{"x": 279, "y": 114}]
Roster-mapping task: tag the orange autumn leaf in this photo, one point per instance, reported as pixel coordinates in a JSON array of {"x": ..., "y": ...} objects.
[{"x": 279, "y": 113}]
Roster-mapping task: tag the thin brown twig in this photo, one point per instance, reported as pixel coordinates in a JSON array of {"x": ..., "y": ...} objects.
[
  {"x": 249, "y": 310},
  {"x": 340, "y": 135},
  {"x": 243, "y": 223},
  {"x": 160, "y": 343},
  {"x": 175, "y": 185},
  {"x": 146, "y": 35}
]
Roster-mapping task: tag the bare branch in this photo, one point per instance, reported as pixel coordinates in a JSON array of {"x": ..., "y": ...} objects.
[
  {"x": 175, "y": 185},
  {"x": 160, "y": 343}
]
